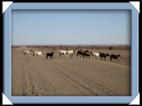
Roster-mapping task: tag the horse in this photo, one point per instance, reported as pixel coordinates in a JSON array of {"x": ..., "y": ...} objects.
[
  {"x": 62, "y": 52},
  {"x": 86, "y": 54},
  {"x": 80, "y": 53},
  {"x": 70, "y": 52},
  {"x": 83, "y": 53},
  {"x": 114, "y": 57},
  {"x": 38, "y": 53},
  {"x": 104, "y": 55},
  {"x": 96, "y": 54},
  {"x": 49, "y": 55},
  {"x": 66, "y": 52},
  {"x": 26, "y": 52}
]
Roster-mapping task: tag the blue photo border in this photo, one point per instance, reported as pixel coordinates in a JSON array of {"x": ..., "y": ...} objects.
[{"x": 72, "y": 99}]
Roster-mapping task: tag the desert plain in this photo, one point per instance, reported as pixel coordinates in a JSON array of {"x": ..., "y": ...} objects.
[{"x": 66, "y": 76}]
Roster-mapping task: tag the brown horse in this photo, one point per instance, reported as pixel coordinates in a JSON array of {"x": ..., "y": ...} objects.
[
  {"x": 83, "y": 54},
  {"x": 104, "y": 55},
  {"x": 49, "y": 55},
  {"x": 114, "y": 57}
]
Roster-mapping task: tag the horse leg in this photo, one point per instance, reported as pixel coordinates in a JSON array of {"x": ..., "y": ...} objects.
[
  {"x": 83, "y": 56},
  {"x": 71, "y": 55},
  {"x": 77, "y": 55}
]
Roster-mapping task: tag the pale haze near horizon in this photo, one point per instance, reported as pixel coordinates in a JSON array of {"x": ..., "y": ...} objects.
[{"x": 71, "y": 27}]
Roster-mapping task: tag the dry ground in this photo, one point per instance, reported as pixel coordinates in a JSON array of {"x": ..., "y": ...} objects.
[{"x": 65, "y": 76}]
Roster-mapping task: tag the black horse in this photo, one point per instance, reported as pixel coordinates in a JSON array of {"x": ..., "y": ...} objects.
[
  {"x": 114, "y": 57},
  {"x": 80, "y": 53},
  {"x": 49, "y": 55},
  {"x": 104, "y": 55},
  {"x": 83, "y": 54},
  {"x": 87, "y": 54}
]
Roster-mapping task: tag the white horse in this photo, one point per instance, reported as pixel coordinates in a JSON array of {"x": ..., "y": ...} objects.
[
  {"x": 26, "y": 52},
  {"x": 96, "y": 54},
  {"x": 38, "y": 53},
  {"x": 70, "y": 52},
  {"x": 62, "y": 52},
  {"x": 66, "y": 52}
]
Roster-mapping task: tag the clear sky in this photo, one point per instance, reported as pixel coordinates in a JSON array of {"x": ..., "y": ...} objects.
[{"x": 70, "y": 27}]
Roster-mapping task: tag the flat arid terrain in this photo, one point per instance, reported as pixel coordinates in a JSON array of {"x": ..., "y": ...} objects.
[{"x": 66, "y": 76}]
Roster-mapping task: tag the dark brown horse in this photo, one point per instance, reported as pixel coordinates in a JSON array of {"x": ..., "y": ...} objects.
[
  {"x": 114, "y": 57},
  {"x": 80, "y": 53},
  {"x": 83, "y": 54},
  {"x": 104, "y": 55},
  {"x": 49, "y": 55}
]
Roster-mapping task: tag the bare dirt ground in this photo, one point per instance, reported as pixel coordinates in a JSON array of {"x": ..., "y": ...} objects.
[{"x": 65, "y": 76}]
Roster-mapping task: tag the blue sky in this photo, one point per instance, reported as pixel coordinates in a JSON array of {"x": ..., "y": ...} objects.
[{"x": 70, "y": 27}]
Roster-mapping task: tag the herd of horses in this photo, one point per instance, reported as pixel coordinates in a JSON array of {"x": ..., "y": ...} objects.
[{"x": 79, "y": 53}]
